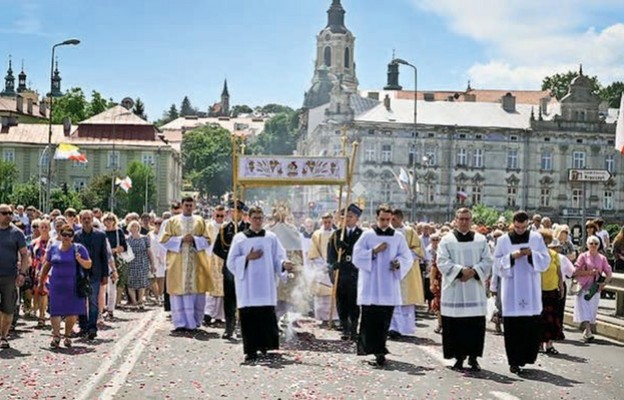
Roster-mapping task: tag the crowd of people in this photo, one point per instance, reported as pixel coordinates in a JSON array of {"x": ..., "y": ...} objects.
[{"x": 241, "y": 270}]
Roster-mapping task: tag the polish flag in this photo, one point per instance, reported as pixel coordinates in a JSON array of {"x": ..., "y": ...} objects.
[
  {"x": 619, "y": 129},
  {"x": 125, "y": 184},
  {"x": 67, "y": 151}
]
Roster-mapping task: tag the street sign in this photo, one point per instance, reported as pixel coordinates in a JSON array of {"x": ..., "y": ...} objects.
[{"x": 588, "y": 175}]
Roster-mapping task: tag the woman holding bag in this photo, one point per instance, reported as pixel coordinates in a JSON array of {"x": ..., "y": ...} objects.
[
  {"x": 67, "y": 259},
  {"x": 117, "y": 241},
  {"x": 593, "y": 272}
]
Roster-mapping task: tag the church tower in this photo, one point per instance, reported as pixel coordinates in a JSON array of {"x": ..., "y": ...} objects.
[
  {"x": 335, "y": 46},
  {"x": 225, "y": 100},
  {"x": 9, "y": 82},
  {"x": 21, "y": 82},
  {"x": 56, "y": 82}
]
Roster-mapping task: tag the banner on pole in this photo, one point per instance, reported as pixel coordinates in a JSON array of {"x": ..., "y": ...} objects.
[{"x": 287, "y": 170}]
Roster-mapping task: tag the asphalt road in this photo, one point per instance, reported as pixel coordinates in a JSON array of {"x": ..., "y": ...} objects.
[{"x": 138, "y": 357}]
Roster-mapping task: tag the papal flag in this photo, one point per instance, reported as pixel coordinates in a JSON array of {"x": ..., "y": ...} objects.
[
  {"x": 619, "y": 129},
  {"x": 66, "y": 151},
  {"x": 125, "y": 184}
]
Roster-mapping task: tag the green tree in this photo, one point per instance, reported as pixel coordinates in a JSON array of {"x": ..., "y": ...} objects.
[
  {"x": 559, "y": 84},
  {"x": 241, "y": 109},
  {"x": 280, "y": 135},
  {"x": 172, "y": 113},
  {"x": 75, "y": 106},
  {"x": 26, "y": 193},
  {"x": 8, "y": 175},
  {"x": 61, "y": 200},
  {"x": 207, "y": 154},
  {"x": 98, "y": 104},
  {"x": 186, "y": 108},
  {"x": 613, "y": 94},
  {"x": 139, "y": 108},
  {"x": 141, "y": 175},
  {"x": 275, "y": 109},
  {"x": 488, "y": 216}
]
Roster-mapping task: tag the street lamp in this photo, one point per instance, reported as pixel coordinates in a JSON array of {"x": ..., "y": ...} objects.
[
  {"x": 67, "y": 42},
  {"x": 403, "y": 62}
]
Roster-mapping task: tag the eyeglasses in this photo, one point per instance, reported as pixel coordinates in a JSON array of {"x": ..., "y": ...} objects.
[
  {"x": 219, "y": 216},
  {"x": 35, "y": 226},
  {"x": 593, "y": 244},
  {"x": 6, "y": 212},
  {"x": 67, "y": 234}
]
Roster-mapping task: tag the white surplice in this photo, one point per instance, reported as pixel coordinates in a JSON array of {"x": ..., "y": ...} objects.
[
  {"x": 378, "y": 284},
  {"x": 255, "y": 280},
  {"x": 521, "y": 283}
]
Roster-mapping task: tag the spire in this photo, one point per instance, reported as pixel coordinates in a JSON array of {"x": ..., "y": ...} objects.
[
  {"x": 56, "y": 82},
  {"x": 581, "y": 70},
  {"x": 393, "y": 76},
  {"x": 9, "y": 81},
  {"x": 335, "y": 17},
  {"x": 21, "y": 80},
  {"x": 469, "y": 88},
  {"x": 225, "y": 89}
]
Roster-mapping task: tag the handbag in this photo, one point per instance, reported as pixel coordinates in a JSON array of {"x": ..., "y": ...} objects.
[
  {"x": 575, "y": 287},
  {"x": 83, "y": 281},
  {"x": 127, "y": 255}
]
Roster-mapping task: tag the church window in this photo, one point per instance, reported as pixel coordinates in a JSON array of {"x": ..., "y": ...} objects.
[
  {"x": 545, "y": 197},
  {"x": 477, "y": 158},
  {"x": 347, "y": 58},
  {"x": 476, "y": 194},
  {"x": 607, "y": 200},
  {"x": 412, "y": 156},
  {"x": 577, "y": 198},
  {"x": 430, "y": 158},
  {"x": 327, "y": 56},
  {"x": 578, "y": 159},
  {"x": 370, "y": 153},
  {"x": 386, "y": 192},
  {"x": 512, "y": 193},
  {"x": 386, "y": 153},
  {"x": 462, "y": 156},
  {"x": 512, "y": 159},
  {"x": 610, "y": 163},
  {"x": 546, "y": 164}
]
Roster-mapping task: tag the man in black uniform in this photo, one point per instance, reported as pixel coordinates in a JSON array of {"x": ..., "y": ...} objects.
[
  {"x": 221, "y": 249},
  {"x": 346, "y": 290}
]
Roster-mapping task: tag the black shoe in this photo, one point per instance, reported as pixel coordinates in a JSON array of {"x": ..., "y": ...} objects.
[
  {"x": 394, "y": 335},
  {"x": 474, "y": 364},
  {"x": 249, "y": 358},
  {"x": 207, "y": 320},
  {"x": 354, "y": 337},
  {"x": 227, "y": 335},
  {"x": 380, "y": 360},
  {"x": 91, "y": 335},
  {"x": 345, "y": 335},
  {"x": 458, "y": 366},
  {"x": 514, "y": 369}
]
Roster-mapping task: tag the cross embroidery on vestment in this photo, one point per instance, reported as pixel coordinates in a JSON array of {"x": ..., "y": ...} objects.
[{"x": 523, "y": 304}]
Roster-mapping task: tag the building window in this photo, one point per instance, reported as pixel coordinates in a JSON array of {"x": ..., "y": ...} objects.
[
  {"x": 430, "y": 193},
  {"x": 610, "y": 163},
  {"x": 386, "y": 192},
  {"x": 371, "y": 131},
  {"x": 8, "y": 155},
  {"x": 578, "y": 159},
  {"x": 512, "y": 159},
  {"x": 337, "y": 149},
  {"x": 512, "y": 194},
  {"x": 386, "y": 153},
  {"x": 462, "y": 156},
  {"x": 79, "y": 184},
  {"x": 476, "y": 194},
  {"x": 607, "y": 200},
  {"x": 477, "y": 158},
  {"x": 369, "y": 154},
  {"x": 327, "y": 56},
  {"x": 347, "y": 58},
  {"x": 577, "y": 198},
  {"x": 147, "y": 158},
  {"x": 430, "y": 158},
  {"x": 412, "y": 156},
  {"x": 545, "y": 197},
  {"x": 546, "y": 164},
  {"x": 113, "y": 159}
]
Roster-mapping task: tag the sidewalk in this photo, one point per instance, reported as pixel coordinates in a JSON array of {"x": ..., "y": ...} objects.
[{"x": 607, "y": 325}]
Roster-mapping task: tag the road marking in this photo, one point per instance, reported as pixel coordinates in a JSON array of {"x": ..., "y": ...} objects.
[
  {"x": 504, "y": 396},
  {"x": 113, "y": 386},
  {"x": 119, "y": 348}
]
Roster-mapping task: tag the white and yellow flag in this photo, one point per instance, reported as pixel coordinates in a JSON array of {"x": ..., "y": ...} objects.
[{"x": 619, "y": 128}]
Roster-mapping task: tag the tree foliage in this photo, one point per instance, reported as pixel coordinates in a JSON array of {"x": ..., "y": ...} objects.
[
  {"x": 241, "y": 109},
  {"x": 26, "y": 193},
  {"x": 139, "y": 108},
  {"x": 141, "y": 174},
  {"x": 488, "y": 216},
  {"x": 559, "y": 84},
  {"x": 75, "y": 106},
  {"x": 280, "y": 135},
  {"x": 186, "y": 108},
  {"x": 274, "y": 109},
  {"x": 61, "y": 200},
  {"x": 613, "y": 94},
  {"x": 207, "y": 154},
  {"x": 8, "y": 175}
]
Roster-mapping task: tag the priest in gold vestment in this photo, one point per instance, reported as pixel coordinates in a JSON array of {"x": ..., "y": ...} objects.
[{"x": 187, "y": 241}]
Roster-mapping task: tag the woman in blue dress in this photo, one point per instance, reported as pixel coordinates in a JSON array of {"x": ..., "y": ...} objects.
[{"x": 65, "y": 258}]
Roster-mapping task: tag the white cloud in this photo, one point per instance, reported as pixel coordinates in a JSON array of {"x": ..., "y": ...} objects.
[
  {"x": 530, "y": 39},
  {"x": 28, "y": 20}
]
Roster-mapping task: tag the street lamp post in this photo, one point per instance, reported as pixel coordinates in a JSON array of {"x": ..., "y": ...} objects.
[
  {"x": 115, "y": 160},
  {"x": 414, "y": 194},
  {"x": 72, "y": 42}
]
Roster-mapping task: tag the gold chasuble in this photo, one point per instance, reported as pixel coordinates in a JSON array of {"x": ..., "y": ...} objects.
[
  {"x": 188, "y": 270},
  {"x": 216, "y": 264},
  {"x": 317, "y": 256},
  {"x": 412, "y": 289}
]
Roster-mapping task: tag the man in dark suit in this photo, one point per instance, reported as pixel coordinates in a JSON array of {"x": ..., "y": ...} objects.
[
  {"x": 96, "y": 243},
  {"x": 221, "y": 249},
  {"x": 339, "y": 255}
]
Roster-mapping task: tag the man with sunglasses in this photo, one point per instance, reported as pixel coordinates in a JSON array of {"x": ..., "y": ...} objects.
[
  {"x": 520, "y": 258},
  {"x": 12, "y": 244},
  {"x": 214, "y": 300}
]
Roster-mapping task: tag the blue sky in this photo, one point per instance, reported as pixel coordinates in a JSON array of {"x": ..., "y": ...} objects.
[{"x": 162, "y": 50}]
